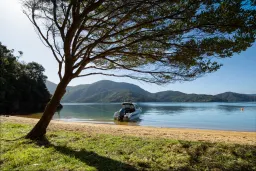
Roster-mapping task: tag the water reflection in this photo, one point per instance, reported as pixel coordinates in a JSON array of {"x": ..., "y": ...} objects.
[
  {"x": 133, "y": 123},
  {"x": 106, "y": 111},
  {"x": 91, "y": 111},
  {"x": 163, "y": 110},
  {"x": 234, "y": 108}
]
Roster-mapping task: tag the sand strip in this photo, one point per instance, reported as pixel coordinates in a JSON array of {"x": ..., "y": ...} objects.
[{"x": 141, "y": 131}]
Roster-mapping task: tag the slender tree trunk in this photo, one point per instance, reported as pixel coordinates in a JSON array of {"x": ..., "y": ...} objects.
[{"x": 39, "y": 129}]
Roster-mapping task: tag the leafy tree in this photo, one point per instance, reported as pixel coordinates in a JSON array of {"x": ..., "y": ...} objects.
[
  {"x": 35, "y": 71},
  {"x": 157, "y": 41},
  {"x": 8, "y": 75},
  {"x": 22, "y": 86}
]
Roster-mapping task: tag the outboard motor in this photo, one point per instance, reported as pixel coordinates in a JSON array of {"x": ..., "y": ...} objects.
[{"x": 121, "y": 114}]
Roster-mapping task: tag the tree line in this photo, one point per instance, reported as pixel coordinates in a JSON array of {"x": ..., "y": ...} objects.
[{"x": 22, "y": 85}]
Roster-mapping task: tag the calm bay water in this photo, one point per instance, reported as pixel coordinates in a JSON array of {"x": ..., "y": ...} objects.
[{"x": 219, "y": 116}]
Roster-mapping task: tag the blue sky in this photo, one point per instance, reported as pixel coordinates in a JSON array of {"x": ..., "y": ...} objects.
[{"x": 238, "y": 74}]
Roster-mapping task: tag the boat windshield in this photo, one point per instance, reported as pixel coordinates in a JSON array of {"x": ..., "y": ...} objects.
[{"x": 128, "y": 107}]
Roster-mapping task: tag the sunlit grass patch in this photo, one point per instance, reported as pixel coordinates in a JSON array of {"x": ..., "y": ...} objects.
[{"x": 69, "y": 150}]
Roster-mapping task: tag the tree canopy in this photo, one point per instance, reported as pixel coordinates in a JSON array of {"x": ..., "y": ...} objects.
[
  {"x": 22, "y": 86},
  {"x": 161, "y": 40}
]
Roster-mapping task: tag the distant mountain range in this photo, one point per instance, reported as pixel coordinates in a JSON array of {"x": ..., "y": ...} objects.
[{"x": 109, "y": 91}]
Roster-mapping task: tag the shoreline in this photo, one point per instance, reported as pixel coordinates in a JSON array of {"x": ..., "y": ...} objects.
[
  {"x": 91, "y": 121},
  {"x": 146, "y": 126},
  {"x": 187, "y": 134}
]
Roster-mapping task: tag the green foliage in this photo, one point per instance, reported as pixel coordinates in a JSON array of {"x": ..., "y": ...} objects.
[
  {"x": 22, "y": 86},
  {"x": 66, "y": 150},
  {"x": 162, "y": 40}
]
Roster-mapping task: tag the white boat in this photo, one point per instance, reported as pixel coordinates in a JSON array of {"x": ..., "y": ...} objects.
[{"x": 128, "y": 112}]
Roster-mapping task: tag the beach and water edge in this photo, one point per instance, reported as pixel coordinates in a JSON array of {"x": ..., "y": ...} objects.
[{"x": 233, "y": 137}]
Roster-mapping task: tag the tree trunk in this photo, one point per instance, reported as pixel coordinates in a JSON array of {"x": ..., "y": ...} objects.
[{"x": 39, "y": 129}]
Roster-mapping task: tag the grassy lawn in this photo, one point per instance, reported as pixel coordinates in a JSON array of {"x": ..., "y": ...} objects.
[{"x": 63, "y": 151}]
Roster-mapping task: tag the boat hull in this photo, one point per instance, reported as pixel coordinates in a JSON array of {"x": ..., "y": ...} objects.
[{"x": 128, "y": 116}]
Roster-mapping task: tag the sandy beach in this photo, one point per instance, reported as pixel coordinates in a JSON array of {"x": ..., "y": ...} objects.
[{"x": 234, "y": 137}]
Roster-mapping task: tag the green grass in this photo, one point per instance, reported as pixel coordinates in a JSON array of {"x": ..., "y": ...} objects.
[{"x": 63, "y": 151}]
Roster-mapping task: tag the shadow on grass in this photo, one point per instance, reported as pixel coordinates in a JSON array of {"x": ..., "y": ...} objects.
[
  {"x": 95, "y": 160},
  {"x": 101, "y": 163}
]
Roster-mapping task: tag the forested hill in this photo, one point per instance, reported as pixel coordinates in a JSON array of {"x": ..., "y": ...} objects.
[
  {"x": 109, "y": 91},
  {"x": 22, "y": 86}
]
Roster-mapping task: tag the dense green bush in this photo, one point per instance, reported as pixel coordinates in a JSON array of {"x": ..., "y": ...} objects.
[{"x": 22, "y": 86}]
